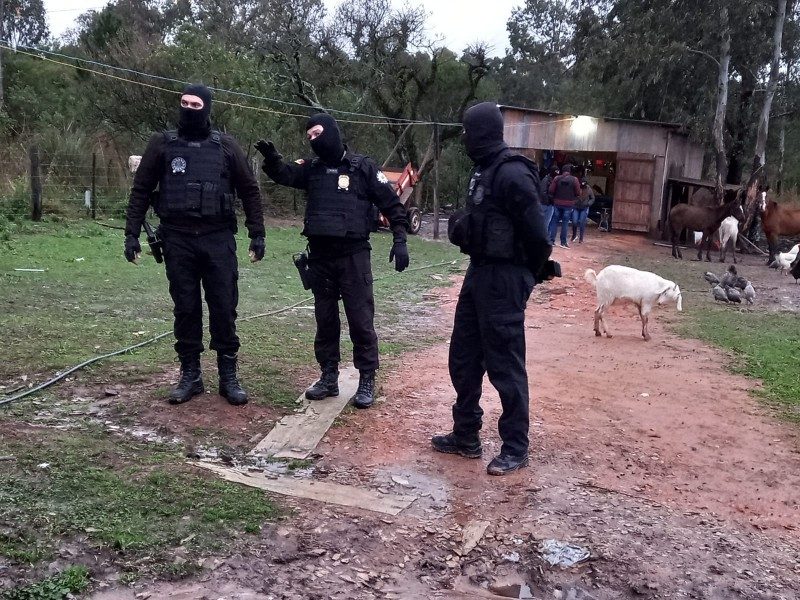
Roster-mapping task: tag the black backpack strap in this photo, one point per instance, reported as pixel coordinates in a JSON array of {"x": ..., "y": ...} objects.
[
  {"x": 215, "y": 137},
  {"x": 488, "y": 175},
  {"x": 171, "y": 135}
]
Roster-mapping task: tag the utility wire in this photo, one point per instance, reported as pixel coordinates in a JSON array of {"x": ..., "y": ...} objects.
[
  {"x": 381, "y": 120},
  {"x": 85, "y": 363},
  {"x": 37, "y": 53},
  {"x": 227, "y": 91}
]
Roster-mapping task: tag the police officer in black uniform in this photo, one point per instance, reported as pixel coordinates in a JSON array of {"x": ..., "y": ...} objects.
[
  {"x": 343, "y": 188},
  {"x": 197, "y": 171},
  {"x": 503, "y": 232}
]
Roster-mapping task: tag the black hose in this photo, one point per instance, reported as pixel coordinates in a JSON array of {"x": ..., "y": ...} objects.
[{"x": 61, "y": 376}]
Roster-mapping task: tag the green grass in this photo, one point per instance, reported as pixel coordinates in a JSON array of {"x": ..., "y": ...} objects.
[
  {"x": 89, "y": 301},
  {"x": 764, "y": 344},
  {"x": 136, "y": 501},
  {"x": 70, "y": 581}
]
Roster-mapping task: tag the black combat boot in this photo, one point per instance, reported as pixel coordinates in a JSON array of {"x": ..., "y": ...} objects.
[
  {"x": 468, "y": 446},
  {"x": 365, "y": 394},
  {"x": 191, "y": 381},
  {"x": 229, "y": 386},
  {"x": 503, "y": 464},
  {"x": 327, "y": 384}
]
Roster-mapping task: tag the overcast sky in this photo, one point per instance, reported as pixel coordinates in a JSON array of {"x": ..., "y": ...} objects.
[{"x": 458, "y": 22}]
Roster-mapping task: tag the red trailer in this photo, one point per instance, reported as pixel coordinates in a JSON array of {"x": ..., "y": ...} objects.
[{"x": 403, "y": 181}]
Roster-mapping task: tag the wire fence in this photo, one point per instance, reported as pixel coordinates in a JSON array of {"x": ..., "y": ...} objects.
[
  {"x": 64, "y": 184},
  {"x": 90, "y": 185}
]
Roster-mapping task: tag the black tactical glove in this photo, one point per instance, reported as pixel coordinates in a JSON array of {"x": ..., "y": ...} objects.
[
  {"x": 268, "y": 151},
  {"x": 399, "y": 253},
  {"x": 257, "y": 248},
  {"x": 132, "y": 247},
  {"x": 548, "y": 271}
]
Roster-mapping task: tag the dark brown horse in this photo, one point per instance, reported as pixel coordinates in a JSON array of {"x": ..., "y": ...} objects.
[
  {"x": 701, "y": 218},
  {"x": 777, "y": 220}
]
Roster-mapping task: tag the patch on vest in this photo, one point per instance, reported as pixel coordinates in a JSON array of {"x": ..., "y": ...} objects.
[
  {"x": 382, "y": 178},
  {"x": 178, "y": 165},
  {"x": 344, "y": 182}
]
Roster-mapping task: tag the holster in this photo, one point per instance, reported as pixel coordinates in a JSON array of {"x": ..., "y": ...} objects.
[
  {"x": 301, "y": 262},
  {"x": 155, "y": 243}
]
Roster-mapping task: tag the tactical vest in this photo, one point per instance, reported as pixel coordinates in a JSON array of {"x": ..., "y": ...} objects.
[
  {"x": 195, "y": 180},
  {"x": 337, "y": 203},
  {"x": 484, "y": 228}
]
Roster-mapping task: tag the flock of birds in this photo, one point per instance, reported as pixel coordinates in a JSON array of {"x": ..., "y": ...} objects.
[{"x": 731, "y": 287}]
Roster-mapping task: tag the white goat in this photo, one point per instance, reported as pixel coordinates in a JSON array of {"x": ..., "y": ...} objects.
[
  {"x": 728, "y": 230},
  {"x": 643, "y": 288},
  {"x": 133, "y": 162}
]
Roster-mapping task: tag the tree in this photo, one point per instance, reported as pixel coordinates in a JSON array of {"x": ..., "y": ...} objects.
[
  {"x": 21, "y": 22},
  {"x": 757, "y": 175},
  {"x": 722, "y": 103}
]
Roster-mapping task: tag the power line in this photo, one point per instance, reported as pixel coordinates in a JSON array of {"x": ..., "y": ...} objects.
[
  {"x": 63, "y": 10},
  {"x": 384, "y": 120}
]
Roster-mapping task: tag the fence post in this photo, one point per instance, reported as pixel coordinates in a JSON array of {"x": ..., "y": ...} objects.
[
  {"x": 94, "y": 186},
  {"x": 36, "y": 185},
  {"x": 436, "y": 181}
]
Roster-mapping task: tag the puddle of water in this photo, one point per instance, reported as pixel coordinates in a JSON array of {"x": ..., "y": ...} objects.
[{"x": 434, "y": 493}]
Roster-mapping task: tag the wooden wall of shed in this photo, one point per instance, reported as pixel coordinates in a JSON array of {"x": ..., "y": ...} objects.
[{"x": 528, "y": 129}]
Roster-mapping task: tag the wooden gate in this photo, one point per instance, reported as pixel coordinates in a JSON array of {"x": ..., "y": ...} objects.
[{"x": 633, "y": 191}]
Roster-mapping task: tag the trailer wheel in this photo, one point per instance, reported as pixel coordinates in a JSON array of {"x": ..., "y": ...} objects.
[{"x": 414, "y": 220}]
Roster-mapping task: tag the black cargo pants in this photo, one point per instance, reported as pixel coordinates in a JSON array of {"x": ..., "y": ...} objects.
[
  {"x": 489, "y": 337},
  {"x": 348, "y": 277},
  {"x": 209, "y": 261}
]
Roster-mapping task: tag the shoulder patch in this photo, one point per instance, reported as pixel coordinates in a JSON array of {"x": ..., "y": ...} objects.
[
  {"x": 301, "y": 161},
  {"x": 382, "y": 178}
]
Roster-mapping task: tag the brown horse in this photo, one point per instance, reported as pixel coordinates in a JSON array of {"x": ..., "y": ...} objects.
[
  {"x": 701, "y": 218},
  {"x": 776, "y": 220}
]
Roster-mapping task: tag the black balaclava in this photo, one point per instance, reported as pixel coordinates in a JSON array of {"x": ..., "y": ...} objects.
[
  {"x": 196, "y": 123},
  {"x": 328, "y": 145},
  {"x": 483, "y": 132}
]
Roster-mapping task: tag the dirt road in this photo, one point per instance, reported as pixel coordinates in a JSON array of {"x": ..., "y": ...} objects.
[{"x": 650, "y": 455}]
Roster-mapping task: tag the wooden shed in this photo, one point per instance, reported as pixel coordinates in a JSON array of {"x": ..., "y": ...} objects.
[{"x": 629, "y": 161}]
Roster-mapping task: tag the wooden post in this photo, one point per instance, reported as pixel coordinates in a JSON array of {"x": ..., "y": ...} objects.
[
  {"x": 94, "y": 185},
  {"x": 436, "y": 181},
  {"x": 36, "y": 185}
]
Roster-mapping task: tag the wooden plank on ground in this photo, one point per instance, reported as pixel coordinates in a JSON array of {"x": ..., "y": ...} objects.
[
  {"x": 322, "y": 491},
  {"x": 297, "y": 435}
]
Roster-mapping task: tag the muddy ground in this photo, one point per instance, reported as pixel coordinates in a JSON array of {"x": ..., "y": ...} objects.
[{"x": 650, "y": 455}]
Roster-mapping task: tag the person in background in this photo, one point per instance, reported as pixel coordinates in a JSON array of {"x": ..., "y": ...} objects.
[
  {"x": 547, "y": 197},
  {"x": 566, "y": 189},
  {"x": 581, "y": 213}
]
